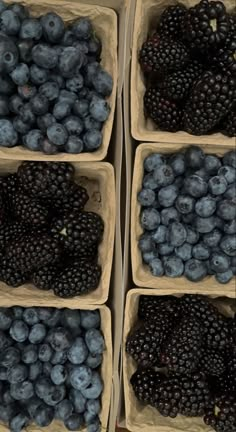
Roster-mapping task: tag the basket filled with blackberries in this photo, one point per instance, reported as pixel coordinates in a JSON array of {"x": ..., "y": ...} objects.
[
  {"x": 179, "y": 362},
  {"x": 58, "y": 69},
  {"x": 183, "y": 82},
  {"x": 56, "y": 231},
  {"x": 55, "y": 368},
  {"x": 184, "y": 217}
]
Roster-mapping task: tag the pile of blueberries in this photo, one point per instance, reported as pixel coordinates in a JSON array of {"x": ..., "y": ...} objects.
[
  {"x": 53, "y": 88},
  {"x": 49, "y": 367},
  {"x": 189, "y": 215}
]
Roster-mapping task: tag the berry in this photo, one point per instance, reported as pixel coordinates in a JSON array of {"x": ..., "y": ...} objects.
[
  {"x": 43, "y": 415},
  {"x": 61, "y": 110},
  {"x": 103, "y": 83},
  {"x": 200, "y": 251},
  {"x": 19, "y": 331},
  {"x": 17, "y": 373},
  {"x": 10, "y": 357},
  {"x": 39, "y": 104},
  {"x": 38, "y": 75},
  {"x": 224, "y": 277},
  {"x": 59, "y": 339},
  {"x": 156, "y": 267},
  {"x": 99, "y": 109},
  {"x": 43, "y": 277},
  {"x": 94, "y": 390},
  {"x": 33, "y": 140},
  {"x": 165, "y": 113},
  {"x": 206, "y": 206},
  {"x": 8, "y": 55},
  {"x": 31, "y": 29},
  {"x": 195, "y": 186},
  {"x": 19, "y": 422},
  {"x": 92, "y": 140},
  {"x": 173, "y": 266},
  {"x": 45, "y": 56},
  {"x": 185, "y": 204},
  {"x": 50, "y": 90},
  {"x": 29, "y": 354},
  {"x": 9, "y": 23},
  {"x": 64, "y": 410},
  {"x": 150, "y": 219},
  {"x": 176, "y": 234},
  {"x": 82, "y": 28},
  {"x": 37, "y": 333},
  {"x": 167, "y": 195},
  {"x": 58, "y": 374},
  {"x": 195, "y": 270},
  {"x": 78, "y": 351},
  {"x": 57, "y": 134},
  {"x": 74, "y": 422},
  {"x": 53, "y": 27},
  {"x": 20, "y": 75},
  {"x": 8, "y": 136},
  {"x": 23, "y": 390},
  {"x": 172, "y": 21},
  {"x": 228, "y": 245},
  {"x": 212, "y": 164},
  {"x": 94, "y": 341}
]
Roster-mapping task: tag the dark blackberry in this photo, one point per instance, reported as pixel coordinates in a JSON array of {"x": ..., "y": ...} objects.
[
  {"x": 11, "y": 231},
  {"x": 2, "y": 206},
  {"x": 78, "y": 279},
  {"x": 211, "y": 99},
  {"x": 144, "y": 382},
  {"x": 214, "y": 324},
  {"x": 144, "y": 344},
  {"x": 151, "y": 306},
  {"x": 172, "y": 21},
  {"x": 167, "y": 397},
  {"x": 78, "y": 232},
  {"x": 46, "y": 179},
  {"x": 30, "y": 252},
  {"x": 178, "y": 85},
  {"x": 73, "y": 201},
  {"x": 9, "y": 186},
  {"x": 207, "y": 25},
  {"x": 226, "y": 383},
  {"x": 229, "y": 124},
  {"x": 182, "y": 351},
  {"x": 222, "y": 415},
  {"x": 43, "y": 278},
  {"x": 162, "y": 55},
  {"x": 11, "y": 276},
  {"x": 166, "y": 114},
  {"x": 28, "y": 210},
  {"x": 212, "y": 362},
  {"x": 195, "y": 395}
]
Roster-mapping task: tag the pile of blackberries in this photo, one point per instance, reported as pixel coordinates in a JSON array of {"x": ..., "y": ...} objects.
[
  {"x": 53, "y": 89},
  {"x": 188, "y": 215},
  {"x": 49, "y": 367}
]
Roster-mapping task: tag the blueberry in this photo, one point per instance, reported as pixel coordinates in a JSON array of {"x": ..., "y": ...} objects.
[
  {"x": 205, "y": 225},
  {"x": 73, "y": 125},
  {"x": 4, "y": 109},
  {"x": 5, "y": 341},
  {"x": 9, "y": 23},
  {"x": 3, "y": 6},
  {"x": 233, "y": 265},
  {"x": 160, "y": 234},
  {"x": 53, "y": 27},
  {"x": 46, "y": 314},
  {"x": 45, "y": 121},
  {"x": 203, "y": 174},
  {"x": 71, "y": 318},
  {"x": 58, "y": 79},
  {"x": 38, "y": 75},
  {"x": 68, "y": 38},
  {"x": 23, "y": 390},
  {"x": 219, "y": 262},
  {"x": 195, "y": 270},
  {"x": 78, "y": 400},
  {"x": 74, "y": 422},
  {"x": 176, "y": 234},
  {"x": 156, "y": 267},
  {"x": 9, "y": 357},
  {"x": 8, "y": 55},
  {"x": 94, "y": 361},
  {"x": 37, "y": 333},
  {"x": 19, "y": 10},
  {"x": 150, "y": 219},
  {"x": 58, "y": 374},
  {"x": 48, "y": 147},
  {"x": 224, "y": 277},
  {"x": 50, "y": 90},
  {"x": 226, "y": 209},
  {"x": 26, "y": 114},
  {"x": 177, "y": 163},
  {"x": 43, "y": 385},
  {"x": 60, "y": 339},
  {"x": 20, "y": 75},
  {"x": 95, "y": 426},
  {"x": 45, "y": 352},
  {"x": 31, "y": 29},
  {"x": 27, "y": 91},
  {"x": 33, "y": 140},
  {"x": 213, "y": 238},
  {"x": 78, "y": 352},
  {"x": 206, "y": 206},
  {"x": 149, "y": 256},
  {"x": 230, "y": 158},
  {"x": 185, "y": 204},
  {"x": 93, "y": 406},
  {"x": 45, "y": 56},
  {"x": 149, "y": 182},
  {"x": 167, "y": 195},
  {"x": 29, "y": 354},
  {"x": 35, "y": 370},
  {"x": 95, "y": 341},
  {"x": 212, "y": 164},
  {"x": 200, "y": 251},
  {"x": 7, "y": 412},
  {"x": 153, "y": 161},
  {"x": 6, "y": 318},
  {"x": 75, "y": 84},
  {"x": 94, "y": 389},
  {"x": 61, "y": 110},
  {"x": 68, "y": 60},
  {"x": 55, "y": 395},
  {"x": 230, "y": 227},
  {"x": 146, "y": 243},
  {"x": 82, "y": 28},
  {"x": 7, "y": 397},
  {"x": 64, "y": 410},
  {"x": 99, "y": 109},
  {"x": 39, "y": 104},
  {"x": 89, "y": 417},
  {"x": 3, "y": 376},
  {"x": 17, "y": 312},
  {"x": 19, "y": 422},
  {"x": 146, "y": 197},
  {"x": 173, "y": 266},
  {"x": 30, "y": 316},
  {"x": 90, "y": 319},
  {"x": 194, "y": 157},
  {"x": 217, "y": 185},
  {"x": 228, "y": 245},
  {"x": 7, "y": 87},
  {"x": 169, "y": 215},
  {"x": 229, "y": 173},
  {"x": 17, "y": 374},
  {"x": 195, "y": 186},
  {"x": 47, "y": 367},
  {"x": 20, "y": 126},
  {"x": 19, "y": 331},
  {"x": 24, "y": 48},
  {"x": 103, "y": 83},
  {"x": 80, "y": 377},
  {"x": 44, "y": 415},
  {"x": 163, "y": 175},
  {"x": 67, "y": 97},
  {"x": 184, "y": 252},
  {"x": 81, "y": 107},
  {"x": 8, "y": 135},
  {"x": 32, "y": 405}
]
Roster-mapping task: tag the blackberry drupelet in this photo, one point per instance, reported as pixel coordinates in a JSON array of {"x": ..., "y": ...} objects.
[
  {"x": 177, "y": 85},
  {"x": 214, "y": 324},
  {"x": 229, "y": 124},
  {"x": 151, "y": 306},
  {"x": 167, "y": 397},
  {"x": 195, "y": 395},
  {"x": 144, "y": 382},
  {"x": 166, "y": 114},
  {"x": 11, "y": 276},
  {"x": 222, "y": 415},
  {"x": 73, "y": 201},
  {"x": 43, "y": 278},
  {"x": 172, "y": 21},
  {"x": 212, "y": 362},
  {"x": 77, "y": 279},
  {"x": 162, "y": 55},
  {"x": 182, "y": 351},
  {"x": 78, "y": 232},
  {"x": 207, "y": 25},
  {"x": 46, "y": 179},
  {"x": 31, "y": 251},
  {"x": 226, "y": 383},
  {"x": 211, "y": 99}
]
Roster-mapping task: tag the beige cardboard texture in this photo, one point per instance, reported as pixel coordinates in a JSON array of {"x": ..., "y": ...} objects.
[
  {"x": 98, "y": 178},
  {"x": 105, "y": 24},
  {"x": 139, "y": 417},
  {"x": 141, "y": 273},
  {"x": 146, "y": 19},
  {"x": 106, "y": 368}
]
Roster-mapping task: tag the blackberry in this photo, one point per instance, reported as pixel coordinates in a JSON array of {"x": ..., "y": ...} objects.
[
  {"x": 10, "y": 231},
  {"x": 43, "y": 278},
  {"x": 167, "y": 397},
  {"x": 226, "y": 383},
  {"x": 229, "y": 124},
  {"x": 144, "y": 382},
  {"x": 210, "y": 100},
  {"x": 166, "y": 114},
  {"x": 28, "y": 210},
  {"x": 144, "y": 344},
  {"x": 181, "y": 352},
  {"x": 30, "y": 252},
  {"x": 78, "y": 232},
  {"x": 46, "y": 179},
  {"x": 222, "y": 415},
  {"x": 9, "y": 187},
  {"x": 162, "y": 55},
  {"x": 73, "y": 201},
  {"x": 11, "y": 276},
  {"x": 2, "y": 207},
  {"x": 207, "y": 25},
  {"x": 177, "y": 85},
  {"x": 151, "y": 306},
  {"x": 214, "y": 324},
  {"x": 172, "y": 21},
  {"x": 195, "y": 395},
  {"x": 212, "y": 362},
  {"x": 77, "y": 279}
]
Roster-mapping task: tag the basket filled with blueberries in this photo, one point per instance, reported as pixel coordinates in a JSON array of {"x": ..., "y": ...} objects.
[{"x": 53, "y": 89}]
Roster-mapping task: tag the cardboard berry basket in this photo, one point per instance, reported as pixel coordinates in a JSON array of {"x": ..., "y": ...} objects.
[
  {"x": 106, "y": 367},
  {"x": 104, "y": 21},
  {"x": 141, "y": 273},
  {"x": 98, "y": 179},
  {"x": 146, "y": 17},
  {"x": 145, "y": 418}
]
